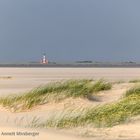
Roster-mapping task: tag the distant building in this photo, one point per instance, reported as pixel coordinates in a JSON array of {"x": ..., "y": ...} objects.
[{"x": 44, "y": 60}]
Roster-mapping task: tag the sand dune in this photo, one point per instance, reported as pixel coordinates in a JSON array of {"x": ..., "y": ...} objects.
[{"x": 24, "y": 79}]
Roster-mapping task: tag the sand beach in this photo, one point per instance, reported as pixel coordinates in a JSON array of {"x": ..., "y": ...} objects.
[{"x": 17, "y": 81}]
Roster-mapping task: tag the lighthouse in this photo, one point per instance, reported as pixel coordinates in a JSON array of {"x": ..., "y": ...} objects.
[{"x": 44, "y": 60}]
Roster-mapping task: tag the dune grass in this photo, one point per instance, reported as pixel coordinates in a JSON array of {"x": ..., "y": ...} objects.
[
  {"x": 103, "y": 116},
  {"x": 135, "y": 81},
  {"x": 133, "y": 91},
  {"x": 54, "y": 92}
]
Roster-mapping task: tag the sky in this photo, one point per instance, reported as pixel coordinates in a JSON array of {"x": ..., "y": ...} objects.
[{"x": 69, "y": 30}]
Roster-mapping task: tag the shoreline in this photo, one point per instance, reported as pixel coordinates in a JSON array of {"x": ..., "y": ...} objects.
[{"x": 113, "y": 65}]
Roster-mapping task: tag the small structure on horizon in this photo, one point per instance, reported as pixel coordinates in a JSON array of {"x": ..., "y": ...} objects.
[{"x": 44, "y": 60}]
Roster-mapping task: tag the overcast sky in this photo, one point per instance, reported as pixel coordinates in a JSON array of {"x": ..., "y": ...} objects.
[{"x": 70, "y": 30}]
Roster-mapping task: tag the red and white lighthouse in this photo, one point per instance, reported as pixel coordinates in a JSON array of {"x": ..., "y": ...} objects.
[{"x": 44, "y": 60}]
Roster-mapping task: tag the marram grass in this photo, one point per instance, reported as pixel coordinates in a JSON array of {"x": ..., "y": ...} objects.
[
  {"x": 135, "y": 81},
  {"x": 102, "y": 116},
  {"x": 54, "y": 92}
]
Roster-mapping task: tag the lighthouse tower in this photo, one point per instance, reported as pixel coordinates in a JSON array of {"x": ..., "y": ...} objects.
[{"x": 44, "y": 59}]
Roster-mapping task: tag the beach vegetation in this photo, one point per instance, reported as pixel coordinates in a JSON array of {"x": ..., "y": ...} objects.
[
  {"x": 101, "y": 116},
  {"x": 54, "y": 92}
]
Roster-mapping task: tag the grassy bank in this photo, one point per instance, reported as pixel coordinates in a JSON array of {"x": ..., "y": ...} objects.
[
  {"x": 54, "y": 92},
  {"x": 103, "y": 116}
]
